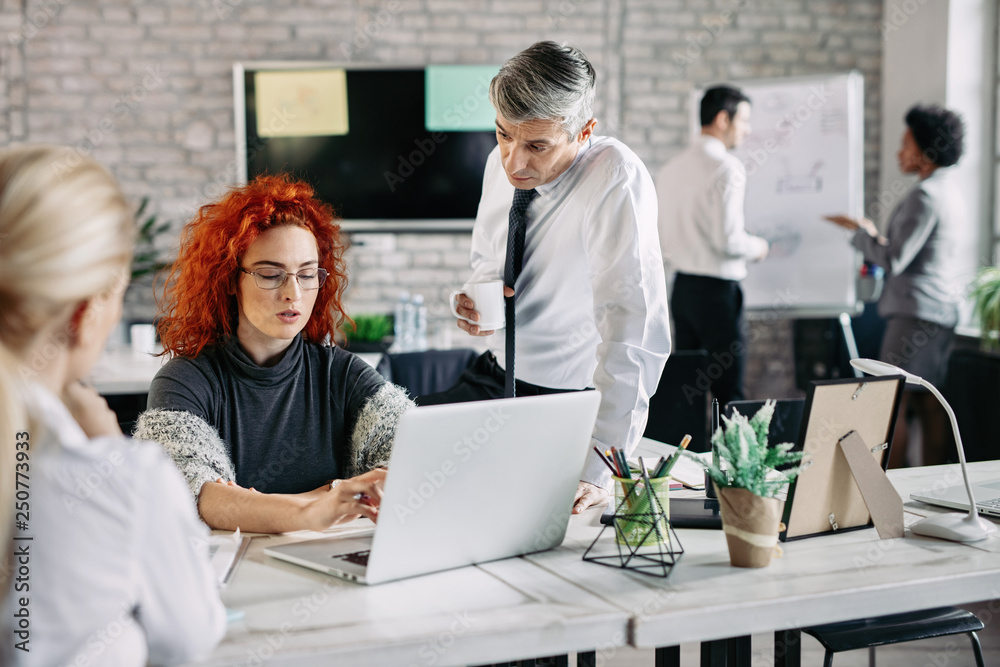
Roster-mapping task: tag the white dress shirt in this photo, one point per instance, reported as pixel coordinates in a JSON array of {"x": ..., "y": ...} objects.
[
  {"x": 591, "y": 299},
  {"x": 701, "y": 212},
  {"x": 115, "y": 573}
]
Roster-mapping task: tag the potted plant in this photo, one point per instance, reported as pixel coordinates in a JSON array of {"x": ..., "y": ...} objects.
[
  {"x": 147, "y": 263},
  {"x": 368, "y": 333},
  {"x": 986, "y": 294},
  {"x": 147, "y": 258},
  {"x": 747, "y": 482}
]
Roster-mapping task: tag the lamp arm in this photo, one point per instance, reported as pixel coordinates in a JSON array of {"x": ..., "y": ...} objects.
[{"x": 958, "y": 442}]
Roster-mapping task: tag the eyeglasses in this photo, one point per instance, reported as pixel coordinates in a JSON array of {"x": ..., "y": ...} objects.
[{"x": 275, "y": 278}]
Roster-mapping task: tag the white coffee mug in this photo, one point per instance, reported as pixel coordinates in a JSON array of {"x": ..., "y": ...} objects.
[
  {"x": 487, "y": 299},
  {"x": 143, "y": 338}
]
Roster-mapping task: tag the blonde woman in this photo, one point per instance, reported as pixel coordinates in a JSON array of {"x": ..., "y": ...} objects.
[{"x": 109, "y": 575}]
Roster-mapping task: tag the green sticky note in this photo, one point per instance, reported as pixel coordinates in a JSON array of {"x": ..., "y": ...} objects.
[{"x": 457, "y": 98}]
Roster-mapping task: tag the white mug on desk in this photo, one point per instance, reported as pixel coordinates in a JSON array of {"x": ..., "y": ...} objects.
[
  {"x": 143, "y": 337},
  {"x": 487, "y": 299}
]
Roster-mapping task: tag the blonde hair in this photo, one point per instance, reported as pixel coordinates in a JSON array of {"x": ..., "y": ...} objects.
[{"x": 66, "y": 235}]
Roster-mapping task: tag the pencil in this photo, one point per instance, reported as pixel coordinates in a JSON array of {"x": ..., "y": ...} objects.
[
  {"x": 605, "y": 461},
  {"x": 649, "y": 494},
  {"x": 676, "y": 455},
  {"x": 610, "y": 454}
]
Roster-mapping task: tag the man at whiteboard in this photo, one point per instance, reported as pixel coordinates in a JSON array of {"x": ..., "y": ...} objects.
[{"x": 703, "y": 239}]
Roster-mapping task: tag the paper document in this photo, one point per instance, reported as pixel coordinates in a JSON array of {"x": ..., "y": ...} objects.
[{"x": 226, "y": 551}]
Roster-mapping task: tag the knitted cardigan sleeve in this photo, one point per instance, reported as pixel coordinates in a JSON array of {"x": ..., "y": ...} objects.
[
  {"x": 193, "y": 444},
  {"x": 202, "y": 456},
  {"x": 375, "y": 428}
]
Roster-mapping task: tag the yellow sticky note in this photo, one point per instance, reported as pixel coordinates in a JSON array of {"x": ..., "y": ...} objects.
[{"x": 307, "y": 103}]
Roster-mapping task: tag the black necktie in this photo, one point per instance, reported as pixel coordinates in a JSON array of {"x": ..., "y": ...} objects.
[{"x": 518, "y": 224}]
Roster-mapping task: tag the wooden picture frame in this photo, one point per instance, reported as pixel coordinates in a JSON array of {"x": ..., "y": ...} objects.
[{"x": 825, "y": 498}]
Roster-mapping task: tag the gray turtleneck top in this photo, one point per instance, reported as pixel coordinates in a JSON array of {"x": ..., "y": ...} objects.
[{"x": 319, "y": 414}]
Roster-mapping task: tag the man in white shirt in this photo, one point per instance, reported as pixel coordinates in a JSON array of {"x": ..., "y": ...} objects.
[
  {"x": 589, "y": 301},
  {"x": 702, "y": 238}
]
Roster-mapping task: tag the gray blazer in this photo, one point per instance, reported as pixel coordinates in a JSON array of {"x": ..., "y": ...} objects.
[{"x": 920, "y": 260}]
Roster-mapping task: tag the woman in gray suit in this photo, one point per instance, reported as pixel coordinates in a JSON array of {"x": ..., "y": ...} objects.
[{"x": 918, "y": 253}]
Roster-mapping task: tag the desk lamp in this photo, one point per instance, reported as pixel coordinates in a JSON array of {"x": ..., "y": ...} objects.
[{"x": 970, "y": 528}]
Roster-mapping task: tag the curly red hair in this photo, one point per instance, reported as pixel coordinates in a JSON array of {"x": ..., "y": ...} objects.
[{"x": 199, "y": 302}]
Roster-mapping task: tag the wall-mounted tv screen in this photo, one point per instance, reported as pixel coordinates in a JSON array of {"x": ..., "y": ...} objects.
[{"x": 390, "y": 148}]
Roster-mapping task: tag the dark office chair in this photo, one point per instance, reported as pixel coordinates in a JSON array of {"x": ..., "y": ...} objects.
[
  {"x": 971, "y": 388},
  {"x": 429, "y": 372},
  {"x": 896, "y": 628},
  {"x": 680, "y": 404}
]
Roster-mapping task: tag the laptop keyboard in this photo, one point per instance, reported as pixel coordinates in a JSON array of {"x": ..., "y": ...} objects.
[
  {"x": 995, "y": 503},
  {"x": 356, "y": 557}
]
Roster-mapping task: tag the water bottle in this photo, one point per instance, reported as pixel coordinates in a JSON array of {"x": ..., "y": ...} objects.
[
  {"x": 419, "y": 323},
  {"x": 400, "y": 329}
]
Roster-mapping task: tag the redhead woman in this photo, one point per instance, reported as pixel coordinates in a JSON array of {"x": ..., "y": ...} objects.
[
  {"x": 274, "y": 429},
  {"x": 107, "y": 572}
]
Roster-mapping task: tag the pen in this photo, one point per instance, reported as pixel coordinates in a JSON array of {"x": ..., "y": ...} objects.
[
  {"x": 715, "y": 428},
  {"x": 622, "y": 463}
]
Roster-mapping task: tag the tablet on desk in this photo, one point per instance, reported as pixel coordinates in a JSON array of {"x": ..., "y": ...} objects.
[{"x": 685, "y": 513}]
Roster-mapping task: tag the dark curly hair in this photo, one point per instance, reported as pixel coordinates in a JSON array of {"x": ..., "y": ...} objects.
[{"x": 939, "y": 133}]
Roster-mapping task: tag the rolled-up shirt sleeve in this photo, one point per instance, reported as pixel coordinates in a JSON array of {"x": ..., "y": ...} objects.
[{"x": 630, "y": 310}]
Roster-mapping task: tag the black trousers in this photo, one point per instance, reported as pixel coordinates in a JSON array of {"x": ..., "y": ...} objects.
[
  {"x": 482, "y": 381},
  {"x": 708, "y": 315}
]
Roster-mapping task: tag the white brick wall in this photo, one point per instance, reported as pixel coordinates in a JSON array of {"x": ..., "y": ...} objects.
[{"x": 160, "y": 74}]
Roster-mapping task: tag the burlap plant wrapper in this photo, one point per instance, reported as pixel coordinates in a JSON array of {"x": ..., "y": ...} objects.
[{"x": 751, "y": 526}]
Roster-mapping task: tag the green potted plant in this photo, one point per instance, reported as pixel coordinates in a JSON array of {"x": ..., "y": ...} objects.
[
  {"x": 147, "y": 258},
  {"x": 147, "y": 262},
  {"x": 368, "y": 333},
  {"x": 986, "y": 294},
  {"x": 744, "y": 471}
]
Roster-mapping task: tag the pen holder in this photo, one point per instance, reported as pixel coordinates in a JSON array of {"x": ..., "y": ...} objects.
[
  {"x": 643, "y": 541},
  {"x": 642, "y": 515}
]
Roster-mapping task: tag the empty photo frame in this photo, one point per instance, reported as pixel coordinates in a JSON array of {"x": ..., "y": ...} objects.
[{"x": 825, "y": 497}]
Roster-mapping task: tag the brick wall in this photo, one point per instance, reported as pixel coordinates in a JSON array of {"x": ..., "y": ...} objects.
[{"x": 146, "y": 87}]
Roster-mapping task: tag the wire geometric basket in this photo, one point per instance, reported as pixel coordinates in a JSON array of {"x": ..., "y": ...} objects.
[{"x": 645, "y": 542}]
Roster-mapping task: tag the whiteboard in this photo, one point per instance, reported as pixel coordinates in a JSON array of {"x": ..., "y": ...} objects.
[{"x": 804, "y": 159}]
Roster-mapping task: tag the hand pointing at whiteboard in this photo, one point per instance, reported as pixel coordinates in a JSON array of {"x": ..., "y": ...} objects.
[{"x": 854, "y": 224}]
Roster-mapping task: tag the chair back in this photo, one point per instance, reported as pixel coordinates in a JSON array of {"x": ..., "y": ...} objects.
[{"x": 680, "y": 404}]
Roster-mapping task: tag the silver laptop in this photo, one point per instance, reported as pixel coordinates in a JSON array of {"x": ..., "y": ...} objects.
[
  {"x": 987, "y": 495},
  {"x": 467, "y": 483}
]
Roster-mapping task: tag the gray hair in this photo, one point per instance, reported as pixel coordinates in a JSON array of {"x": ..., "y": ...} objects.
[{"x": 546, "y": 81}]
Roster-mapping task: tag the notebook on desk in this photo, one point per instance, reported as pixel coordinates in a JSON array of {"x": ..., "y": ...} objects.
[
  {"x": 467, "y": 483},
  {"x": 987, "y": 495}
]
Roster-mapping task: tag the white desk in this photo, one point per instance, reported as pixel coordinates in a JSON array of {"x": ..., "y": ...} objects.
[
  {"x": 818, "y": 580},
  {"x": 124, "y": 371},
  {"x": 553, "y": 602},
  {"x": 503, "y": 610}
]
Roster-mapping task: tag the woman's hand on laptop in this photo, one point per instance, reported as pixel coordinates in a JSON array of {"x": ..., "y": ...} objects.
[
  {"x": 588, "y": 494},
  {"x": 346, "y": 500}
]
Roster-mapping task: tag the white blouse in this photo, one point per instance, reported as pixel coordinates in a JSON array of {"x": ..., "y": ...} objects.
[{"x": 116, "y": 570}]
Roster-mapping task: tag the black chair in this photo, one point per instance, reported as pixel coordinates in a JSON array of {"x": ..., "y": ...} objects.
[
  {"x": 680, "y": 404},
  {"x": 971, "y": 388},
  {"x": 428, "y": 372},
  {"x": 896, "y": 628}
]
